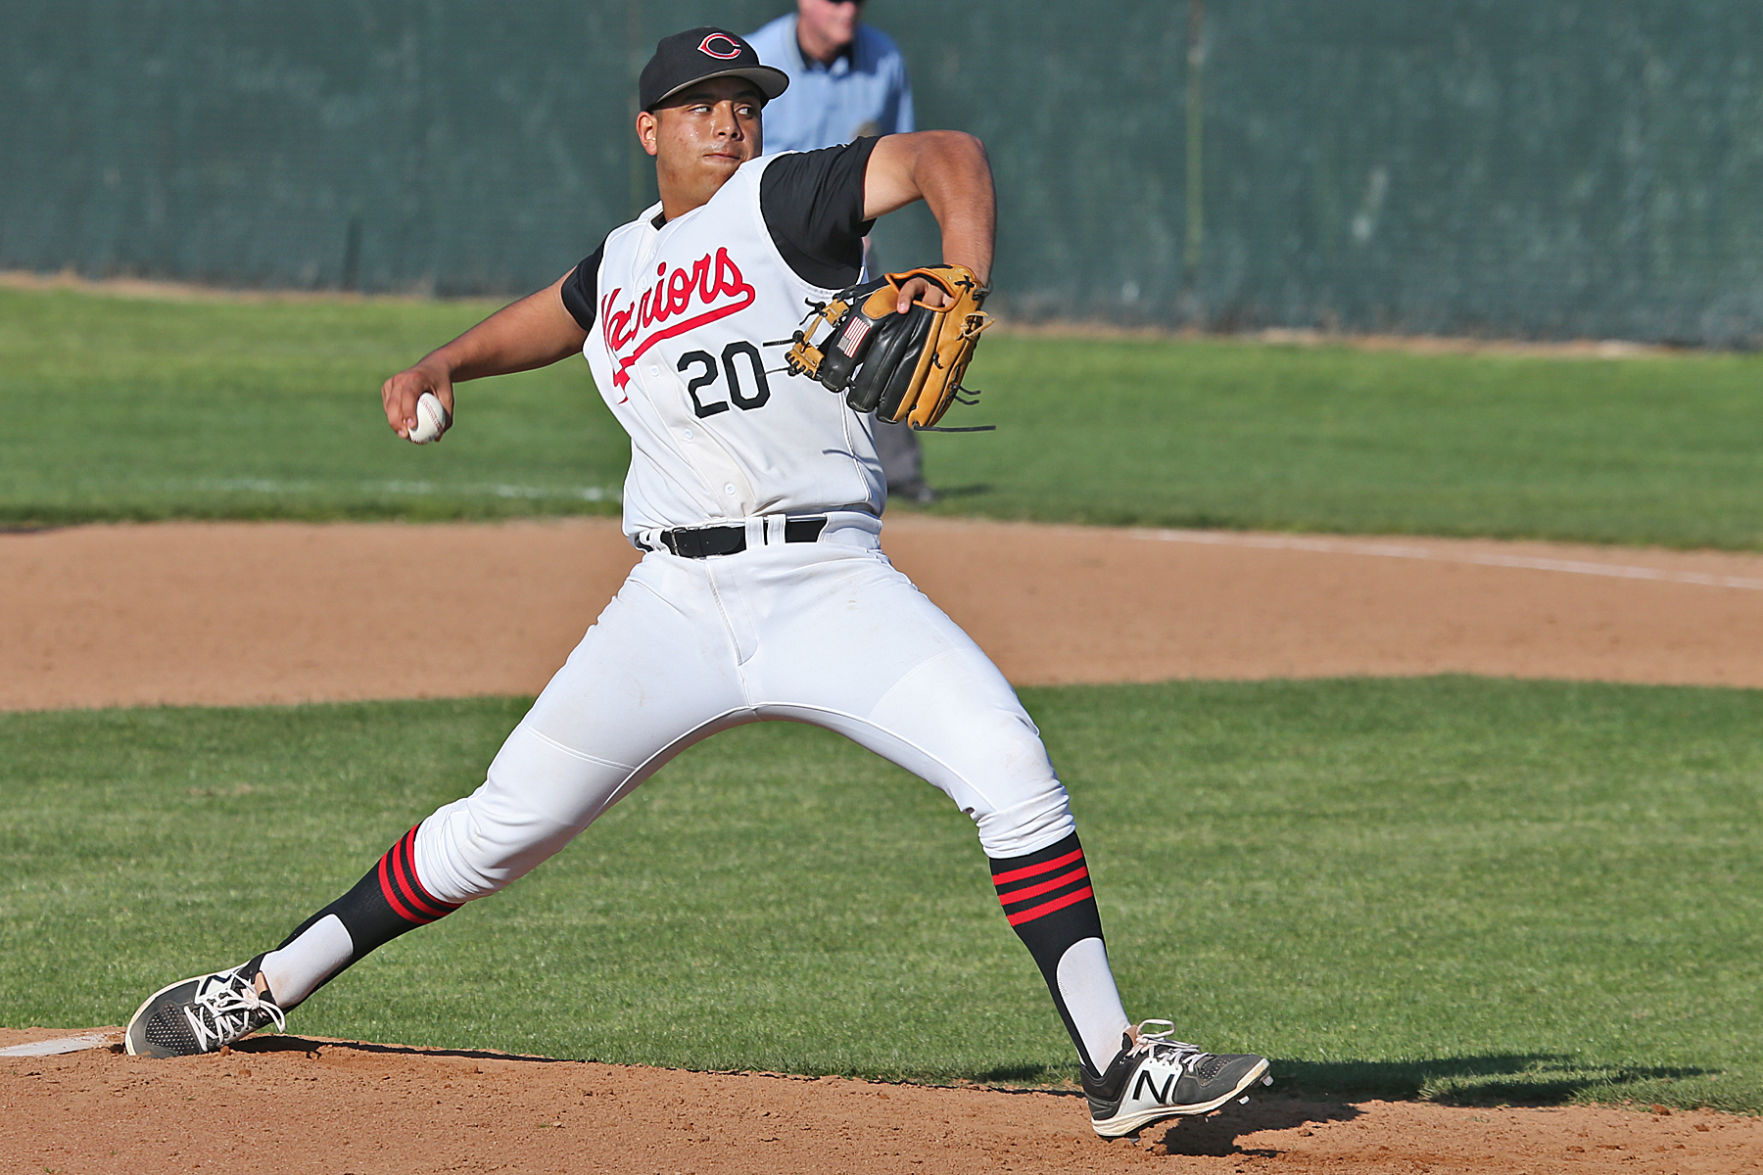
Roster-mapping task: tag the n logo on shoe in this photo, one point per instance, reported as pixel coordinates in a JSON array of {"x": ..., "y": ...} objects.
[{"x": 1160, "y": 1096}]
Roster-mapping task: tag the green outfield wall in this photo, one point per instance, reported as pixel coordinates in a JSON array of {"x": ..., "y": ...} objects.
[{"x": 1533, "y": 168}]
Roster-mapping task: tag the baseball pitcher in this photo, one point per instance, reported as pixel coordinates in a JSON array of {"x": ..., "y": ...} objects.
[{"x": 763, "y": 592}]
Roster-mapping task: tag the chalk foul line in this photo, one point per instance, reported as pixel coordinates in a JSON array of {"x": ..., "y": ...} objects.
[
  {"x": 62, "y": 1044},
  {"x": 1390, "y": 550}
]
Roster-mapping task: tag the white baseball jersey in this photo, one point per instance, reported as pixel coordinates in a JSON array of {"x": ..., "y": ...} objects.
[{"x": 691, "y": 319}]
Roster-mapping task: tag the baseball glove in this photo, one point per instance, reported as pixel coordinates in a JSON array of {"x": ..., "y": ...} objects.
[{"x": 902, "y": 367}]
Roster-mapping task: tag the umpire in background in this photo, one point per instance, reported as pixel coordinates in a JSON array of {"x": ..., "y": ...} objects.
[{"x": 847, "y": 80}]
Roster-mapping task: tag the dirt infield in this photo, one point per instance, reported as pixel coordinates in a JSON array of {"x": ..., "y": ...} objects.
[
  {"x": 237, "y": 613},
  {"x": 300, "y": 1106},
  {"x": 212, "y": 614}
]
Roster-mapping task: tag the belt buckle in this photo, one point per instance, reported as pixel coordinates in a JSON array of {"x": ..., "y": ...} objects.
[{"x": 704, "y": 542}]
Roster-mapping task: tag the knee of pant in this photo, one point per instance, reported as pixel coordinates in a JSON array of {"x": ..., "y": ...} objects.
[
  {"x": 1028, "y": 825},
  {"x": 467, "y": 850},
  {"x": 1003, "y": 780},
  {"x": 537, "y": 795}
]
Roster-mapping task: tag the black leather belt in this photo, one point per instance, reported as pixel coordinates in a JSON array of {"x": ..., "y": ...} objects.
[{"x": 701, "y": 542}]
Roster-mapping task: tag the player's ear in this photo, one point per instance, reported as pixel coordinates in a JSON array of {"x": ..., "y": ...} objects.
[{"x": 647, "y": 126}]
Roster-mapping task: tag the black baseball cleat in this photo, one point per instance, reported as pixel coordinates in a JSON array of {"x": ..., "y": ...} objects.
[
  {"x": 202, "y": 1015},
  {"x": 1155, "y": 1077}
]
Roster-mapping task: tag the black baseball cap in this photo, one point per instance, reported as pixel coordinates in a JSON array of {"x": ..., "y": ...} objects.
[{"x": 698, "y": 54}]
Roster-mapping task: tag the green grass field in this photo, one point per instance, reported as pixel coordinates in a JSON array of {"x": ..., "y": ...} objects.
[
  {"x": 136, "y": 408},
  {"x": 1452, "y": 888},
  {"x": 1460, "y": 889}
]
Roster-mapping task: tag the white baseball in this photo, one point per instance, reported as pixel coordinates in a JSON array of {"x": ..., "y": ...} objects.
[{"x": 431, "y": 420}]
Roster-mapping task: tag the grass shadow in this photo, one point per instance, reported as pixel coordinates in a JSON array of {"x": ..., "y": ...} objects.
[
  {"x": 1016, "y": 1075},
  {"x": 1312, "y": 1092},
  {"x": 1518, "y": 1079}
]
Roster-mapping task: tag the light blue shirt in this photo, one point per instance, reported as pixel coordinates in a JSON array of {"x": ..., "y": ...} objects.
[{"x": 863, "y": 92}]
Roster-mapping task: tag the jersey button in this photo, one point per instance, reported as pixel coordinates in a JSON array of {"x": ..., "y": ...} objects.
[
  {"x": 687, "y": 434},
  {"x": 653, "y": 370},
  {"x": 729, "y": 489}
]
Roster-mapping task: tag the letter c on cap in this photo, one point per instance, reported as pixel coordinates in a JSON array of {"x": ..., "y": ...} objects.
[{"x": 734, "y": 47}]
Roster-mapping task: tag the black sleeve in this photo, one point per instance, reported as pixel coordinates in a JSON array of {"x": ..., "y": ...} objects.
[
  {"x": 581, "y": 289},
  {"x": 812, "y": 202}
]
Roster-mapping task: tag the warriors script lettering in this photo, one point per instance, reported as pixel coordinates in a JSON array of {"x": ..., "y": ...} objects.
[{"x": 680, "y": 300}]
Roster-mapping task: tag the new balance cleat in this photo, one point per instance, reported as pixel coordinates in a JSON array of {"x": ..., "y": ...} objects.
[
  {"x": 1155, "y": 1077},
  {"x": 202, "y": 1015}
]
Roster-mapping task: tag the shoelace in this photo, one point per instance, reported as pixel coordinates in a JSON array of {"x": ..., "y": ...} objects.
[
  {"x": 229, "y": 1010},
  {"x": 1163, "y": 1047}
]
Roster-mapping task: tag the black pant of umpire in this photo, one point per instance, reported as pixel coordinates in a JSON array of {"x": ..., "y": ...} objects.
[{"x": 902, "y": 462}]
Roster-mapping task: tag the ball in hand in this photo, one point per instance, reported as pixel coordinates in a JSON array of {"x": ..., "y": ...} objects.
[{"x": 431, "y": 420}]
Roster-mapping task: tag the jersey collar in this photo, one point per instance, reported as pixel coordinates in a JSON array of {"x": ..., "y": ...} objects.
[{"x": 844, "y": 61}]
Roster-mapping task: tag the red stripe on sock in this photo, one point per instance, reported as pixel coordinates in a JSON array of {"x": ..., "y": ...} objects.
[
  {"x": 1035, "y": 891},
  {"x": 400, "y": 859},
  {"x": 403, "y": 856},
  {"x": 1045, "y": 908},
  {"x": 390, "y": 893},
  {"x": 1036, "y": 870}
]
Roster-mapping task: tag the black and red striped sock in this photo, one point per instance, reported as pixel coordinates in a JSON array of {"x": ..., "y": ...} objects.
[
  {"x": 393, "y": 899},
  {"x": 385, "y": 903},
  {"x": 1049, "y": 902}
]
